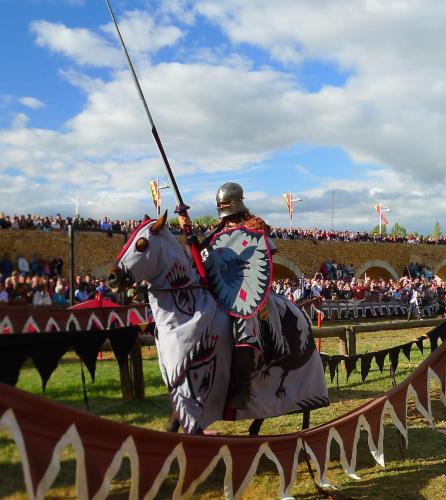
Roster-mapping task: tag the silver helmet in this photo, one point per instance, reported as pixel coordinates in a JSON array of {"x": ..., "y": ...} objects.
[{"x": 230, "y": 199}]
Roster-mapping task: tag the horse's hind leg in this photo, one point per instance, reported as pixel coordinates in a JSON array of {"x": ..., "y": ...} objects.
[
  {"x": 305, "y": 419},
  {"x": 254, "y": 428},
  {"x": 174, "y": 423}
]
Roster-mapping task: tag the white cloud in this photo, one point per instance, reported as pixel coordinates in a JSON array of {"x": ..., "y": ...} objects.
[
  {"x": 302, "y": 170},
  {"x": 79, "y": 44},
  {"x": 19, "y": 121},
  {"x": 142, "y": 34},
  {"x": 31, "y": 102},
  {"x": 393, "y": 109},
  {"x": 180, "y": 10},
  {"x": 216, "y": 113}
]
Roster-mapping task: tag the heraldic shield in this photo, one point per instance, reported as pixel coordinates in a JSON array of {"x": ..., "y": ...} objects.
[{"x": 239, "y": 270}]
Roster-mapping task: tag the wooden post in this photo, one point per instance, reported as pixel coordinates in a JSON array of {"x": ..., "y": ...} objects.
[
  {"x": 351, "y": 340},
  {"x": 126, "y": 384},
  {"x": 137, "y": 370},
  {"x": 343, "y": 348}
]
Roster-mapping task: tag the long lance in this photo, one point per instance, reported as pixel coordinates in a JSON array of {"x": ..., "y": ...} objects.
[{"x": 181, "y": 208}]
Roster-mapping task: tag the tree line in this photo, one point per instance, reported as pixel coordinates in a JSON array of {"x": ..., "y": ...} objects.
[{"x": 399, "y": 230}]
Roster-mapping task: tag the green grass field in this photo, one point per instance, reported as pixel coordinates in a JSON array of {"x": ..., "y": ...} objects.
[{"x": 416, "y": 473}]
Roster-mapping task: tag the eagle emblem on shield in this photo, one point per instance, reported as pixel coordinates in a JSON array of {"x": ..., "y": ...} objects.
[{"x": 239, "y": 270}]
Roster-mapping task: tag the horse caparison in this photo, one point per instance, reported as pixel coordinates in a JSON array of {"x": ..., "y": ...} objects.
[{"x": 195, "y": 340}]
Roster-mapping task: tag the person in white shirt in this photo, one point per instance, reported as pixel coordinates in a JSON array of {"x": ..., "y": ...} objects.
[
  {"x": 316, "y": 288},
  {"x": 23, "y": 265},
  {"x": 41, "y": 296},
  {"x": 297, "y": 294},
  {"x": 4, "y": 297},
  {"x": 414, "y": 306}
]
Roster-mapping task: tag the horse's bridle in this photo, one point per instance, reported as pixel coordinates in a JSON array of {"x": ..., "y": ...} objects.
[{"x": 123, "y": 278}]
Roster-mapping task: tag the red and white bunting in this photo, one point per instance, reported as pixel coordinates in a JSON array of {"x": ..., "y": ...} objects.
[{"x": 42, "y": 428}]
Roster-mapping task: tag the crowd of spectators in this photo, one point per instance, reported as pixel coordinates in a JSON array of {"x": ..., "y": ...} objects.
[
  {"x": 37, "y": 281},
  {"x": 352, "y": 236},
  {"x": 416, "y": 270},
  {"x": 40, "y": 282},
  {"x": 367, "y": 289},
  {"x": 59, "y": 223}
]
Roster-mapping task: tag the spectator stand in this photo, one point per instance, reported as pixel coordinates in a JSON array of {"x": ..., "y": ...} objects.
[{"x": 334, "y": 309}]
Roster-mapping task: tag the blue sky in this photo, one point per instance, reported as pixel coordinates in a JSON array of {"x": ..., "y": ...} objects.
[{"x": 343, "y": 97}]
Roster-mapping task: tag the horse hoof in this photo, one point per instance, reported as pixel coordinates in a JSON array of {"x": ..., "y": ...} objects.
[{"x": 210, "y": 432}]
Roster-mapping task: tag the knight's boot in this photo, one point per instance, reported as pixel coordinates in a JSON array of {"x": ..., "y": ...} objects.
[{"x": 242, "y": 368}]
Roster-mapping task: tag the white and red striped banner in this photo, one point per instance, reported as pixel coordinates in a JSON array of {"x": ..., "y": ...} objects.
[{"x": 379, "y": 210}]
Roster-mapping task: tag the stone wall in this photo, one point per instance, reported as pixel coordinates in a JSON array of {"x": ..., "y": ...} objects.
[
  {"x": 379, "y": 259},
  {"x": 94, "y": 252}
]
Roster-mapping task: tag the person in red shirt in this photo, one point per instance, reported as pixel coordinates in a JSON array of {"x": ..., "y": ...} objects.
[{"x": 359, "y": 291}]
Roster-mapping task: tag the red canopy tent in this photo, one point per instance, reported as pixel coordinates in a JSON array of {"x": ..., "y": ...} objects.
[{"x": 98, "y": 301}]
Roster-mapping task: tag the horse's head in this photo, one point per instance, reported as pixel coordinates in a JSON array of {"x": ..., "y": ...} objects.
[{"x": 152, "y": 253}]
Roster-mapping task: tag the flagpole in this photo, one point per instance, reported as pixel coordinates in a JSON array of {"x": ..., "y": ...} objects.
[
  {"x": 158, "y": 204},
  {"x": 379, "y": 214},
  {"x": 290, "y": 208}
]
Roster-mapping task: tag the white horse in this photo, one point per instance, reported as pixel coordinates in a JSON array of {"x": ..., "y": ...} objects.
[{"x": 195, "y": 340}]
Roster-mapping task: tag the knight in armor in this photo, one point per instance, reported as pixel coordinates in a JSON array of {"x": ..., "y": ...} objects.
[{"x": 233, "y": 212}]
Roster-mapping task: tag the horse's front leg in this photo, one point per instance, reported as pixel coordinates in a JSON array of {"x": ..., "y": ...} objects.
[
  {"x": 254, "y": 428},
  {"x": 174, "y": 423}
]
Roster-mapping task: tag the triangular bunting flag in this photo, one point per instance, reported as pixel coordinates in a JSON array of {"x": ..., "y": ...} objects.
[
  {"x": 242, "y": 458},
  {"x": 394, "y": 355},
  {"x": 317, "y": 441},
  {"x": 373, "y": 417},
  {"x": 199, "y": 455},
  {"x": 442, "y": 331},
  {"x": 380, "y": 357},
  {"x": 366, "y": 361},
  {"x": 11, "y": 362},
  {"x": 398, "y": 401},
  {"x": 39, "y": 446},
  {"x": 332, "y": 367},
  {"x": 407, "y": 348},
  {"x": 285, "y": 451},
  {"x": 40, "y": 430},
  {"x": 346, "y": 430},
  {"x": 440, "y": 370},
  {"x": 87, "y": 346},
  {"x": 47, "y": 353},
  {"x": 324, "y": 359},
  {"x": 419, "y": 343},
  {"x": 433, "y": 339},
  {"x": 420, "y": 386},
  {"x": 99, "y": 453},
  {"x": 350, "y": 364},
  {"x": 122, "y": 340},
  {"x": 152, "y": 455}
]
